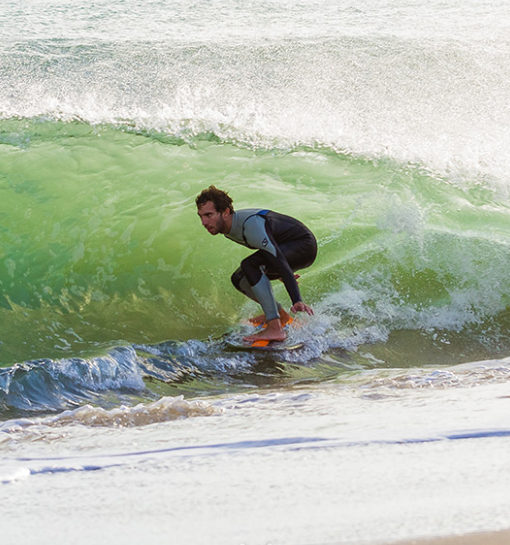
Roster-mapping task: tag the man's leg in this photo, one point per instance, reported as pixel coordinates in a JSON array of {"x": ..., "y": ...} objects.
[
  {"x": 259, "y": 289},
  {"x": 299, "y": 254},
  {"x": 253, "y": 279},
  {"x": 261, "y": 292}
]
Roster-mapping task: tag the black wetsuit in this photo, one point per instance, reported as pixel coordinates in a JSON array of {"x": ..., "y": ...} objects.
[{"x": 284, "y": 245}]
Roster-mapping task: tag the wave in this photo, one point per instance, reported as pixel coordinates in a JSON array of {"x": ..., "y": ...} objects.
[
  {"x": 143, "y": 384},
  {"x": 437, "y": 102},
  {"x": 49, "y": 385},
  {"x": 143, "y": 414},
  {"x": 108, "y": 250}
]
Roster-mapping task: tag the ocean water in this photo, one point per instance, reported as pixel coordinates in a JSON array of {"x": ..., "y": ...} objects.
[{"x": 385, "y": 128}]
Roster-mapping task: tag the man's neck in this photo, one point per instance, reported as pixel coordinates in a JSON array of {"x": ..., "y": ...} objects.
[{"x": 228, "y": 223}]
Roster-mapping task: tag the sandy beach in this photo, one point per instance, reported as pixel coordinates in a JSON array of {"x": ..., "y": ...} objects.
[{"x": 484, "y": 538}]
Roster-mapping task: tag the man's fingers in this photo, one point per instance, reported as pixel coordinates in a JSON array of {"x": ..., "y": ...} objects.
[{"x": 302, "y": 307}]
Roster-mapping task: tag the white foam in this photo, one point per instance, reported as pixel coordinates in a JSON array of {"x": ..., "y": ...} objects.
[
  {"x": 143, "y": 414},
  {"x": 392, "y": 82},
  {"x": 12, "y": 474}
]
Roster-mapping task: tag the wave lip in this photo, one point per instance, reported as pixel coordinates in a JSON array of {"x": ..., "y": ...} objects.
[
  {"x": 50, "y": 385},
  {"x": 350, "y": 93}
]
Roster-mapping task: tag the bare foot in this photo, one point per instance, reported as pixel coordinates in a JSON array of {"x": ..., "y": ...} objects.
[
  {"x": 285, "y": 318},
  {"x": 273, "y": 332},
  {"x": 258, "y": 320}
]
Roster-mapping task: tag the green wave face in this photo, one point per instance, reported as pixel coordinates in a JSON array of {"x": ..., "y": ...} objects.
[{"x": 101, "y": 242}]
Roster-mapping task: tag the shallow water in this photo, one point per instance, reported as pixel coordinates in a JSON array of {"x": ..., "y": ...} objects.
[
  {"x": 369, "y": 459},
  {"x": 385, "y": 129}
]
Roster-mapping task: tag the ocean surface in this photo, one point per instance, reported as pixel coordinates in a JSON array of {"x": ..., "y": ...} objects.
[{"x": 382, "y": 125}]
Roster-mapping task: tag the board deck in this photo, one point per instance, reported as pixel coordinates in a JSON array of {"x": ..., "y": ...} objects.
[
  {"x": 274, "y": 346},
  {"x": 234, "y": 341}
]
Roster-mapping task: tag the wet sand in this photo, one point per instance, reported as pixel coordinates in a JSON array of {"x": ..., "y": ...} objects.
[{"x": 485, "y": 538}]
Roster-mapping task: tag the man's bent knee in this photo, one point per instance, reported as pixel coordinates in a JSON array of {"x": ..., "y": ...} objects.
[{"x": 236, "y": 278}]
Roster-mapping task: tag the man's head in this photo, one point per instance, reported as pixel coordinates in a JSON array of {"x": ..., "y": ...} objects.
[{"x": 215, "y": 209}]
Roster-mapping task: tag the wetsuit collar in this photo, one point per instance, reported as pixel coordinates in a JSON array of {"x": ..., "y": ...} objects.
[{"x": 233, "y": 218}]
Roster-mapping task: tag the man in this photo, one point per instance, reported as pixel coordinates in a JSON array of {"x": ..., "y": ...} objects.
[{"x": 284, "y": 245}]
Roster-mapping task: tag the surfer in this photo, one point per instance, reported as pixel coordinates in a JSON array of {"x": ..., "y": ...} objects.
[{"x": 284, "y": 245}]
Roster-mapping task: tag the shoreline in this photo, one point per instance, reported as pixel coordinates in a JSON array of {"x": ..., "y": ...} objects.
[{"x": 498, "y": 537}]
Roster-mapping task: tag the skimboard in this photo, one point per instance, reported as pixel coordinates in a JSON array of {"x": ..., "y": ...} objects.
[{"x": 237, "y": 344}]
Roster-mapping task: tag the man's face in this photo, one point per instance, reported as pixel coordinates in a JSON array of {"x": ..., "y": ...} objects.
[{"x": 213, "y": 220}]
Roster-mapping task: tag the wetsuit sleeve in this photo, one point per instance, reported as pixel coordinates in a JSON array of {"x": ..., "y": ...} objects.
[{"x": 258, "y": 235}]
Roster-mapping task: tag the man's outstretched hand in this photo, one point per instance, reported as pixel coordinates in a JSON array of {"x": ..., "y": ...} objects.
[{"x": 301, "y": 307}]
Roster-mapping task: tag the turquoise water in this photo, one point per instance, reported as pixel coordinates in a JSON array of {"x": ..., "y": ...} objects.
[{"x": 384, "y": 128}]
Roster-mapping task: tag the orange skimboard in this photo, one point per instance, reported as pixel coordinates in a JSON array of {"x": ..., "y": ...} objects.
[{"x": 237, "y": 344}]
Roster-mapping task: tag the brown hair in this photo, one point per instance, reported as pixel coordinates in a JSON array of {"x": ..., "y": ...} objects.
[{"x": 219, "y": 198}]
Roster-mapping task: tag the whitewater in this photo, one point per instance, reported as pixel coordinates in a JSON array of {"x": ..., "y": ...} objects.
[{"x": 124, "y": 411}]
